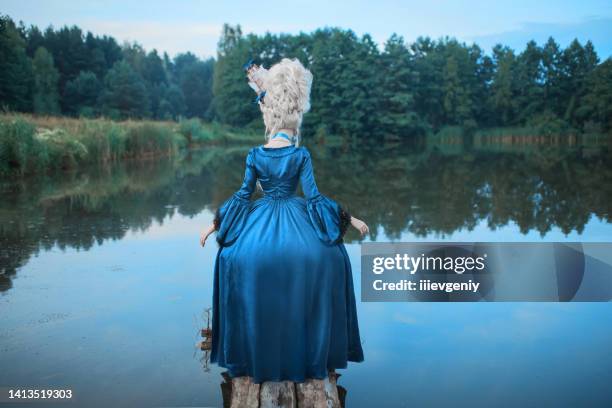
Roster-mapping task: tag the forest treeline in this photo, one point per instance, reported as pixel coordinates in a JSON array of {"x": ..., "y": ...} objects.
[
  {"x": 359, "y": 90},
  {"x": 66, "y": 71}
]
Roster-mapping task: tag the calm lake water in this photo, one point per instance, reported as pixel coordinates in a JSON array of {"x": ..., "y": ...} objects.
[{"x": 104, "y": 285}]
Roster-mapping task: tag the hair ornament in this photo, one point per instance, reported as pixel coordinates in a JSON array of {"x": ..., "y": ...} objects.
[
  {"x": 259, "y": 97},
  {"x": 256, "y": 75}
]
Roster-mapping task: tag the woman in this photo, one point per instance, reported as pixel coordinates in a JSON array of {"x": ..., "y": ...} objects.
[{"x": 283, "y": 298}]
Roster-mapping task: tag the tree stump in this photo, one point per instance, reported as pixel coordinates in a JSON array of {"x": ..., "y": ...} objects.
[{"x": 241, "y": 392}]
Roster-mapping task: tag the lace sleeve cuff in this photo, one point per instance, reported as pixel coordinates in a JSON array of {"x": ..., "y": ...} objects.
[
  {"x": 345, "y": 221},
  {"x": 217, "y": 219},
  {"x": 230, "y": 218},
  {"x": 328, "y": 218}
]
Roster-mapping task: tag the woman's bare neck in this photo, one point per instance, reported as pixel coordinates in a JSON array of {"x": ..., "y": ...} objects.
[{"x": 279, "y": 141}]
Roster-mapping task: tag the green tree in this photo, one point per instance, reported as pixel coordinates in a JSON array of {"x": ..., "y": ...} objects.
[
  {"x": 82, "y": 93},
  {"x": 196, "y": 84},
  {"x": 457, "y": 103},
  {"x": 576, "y": 63},
  {"x": 478, "y": 73},
  {"x": 232, "y": 96},
  {"x": 346, "y": 88},
  {"x": 552, "y": 73},
  {"x": 125, "y": 94},
  {"x": 529, "y": 82},
  {"x": 103, "y": 53},
  {"x": 397, "y": 112},
  {"x": 428, "y": 64},
  {"x": 172, "y": 105},
  {"x": 153, "y": 69},
  {"x": 596, "y": 105},
  {"x": 34, "y": 39},
  {"x": 15, "y": 68},
  {"x": 69, "y": 51},
  {"x": 503, "y": 87},
  {"x": 46, "y": 97}
]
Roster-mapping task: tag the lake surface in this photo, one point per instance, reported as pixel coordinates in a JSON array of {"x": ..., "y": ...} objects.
[{"x": 104, "y": 286}]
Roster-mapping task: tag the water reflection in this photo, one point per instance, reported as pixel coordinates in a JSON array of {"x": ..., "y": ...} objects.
[
  {"x": 423, "y": 190},
  {"x": 120, "y": 322}
]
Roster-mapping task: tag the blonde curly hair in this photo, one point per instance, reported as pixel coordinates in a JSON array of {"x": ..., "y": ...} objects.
[{"x": 287, "y": 84}]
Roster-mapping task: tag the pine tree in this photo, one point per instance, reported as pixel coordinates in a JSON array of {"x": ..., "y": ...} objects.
[
  {"x": 529, "y": 82},
  {"x": 551, "y": 63},
  {"x": 15, "y": 69},
  {"x": 503, "y": 87},
  {"x": 429, "y": 63},
  {"x": 172, "y": 104},
  {"x": 125, "y": 94},
  {"x": 397, "y": 114},
  {"x": 458, "y": 81},
  {"x": 596, "y": 105},
  {"x": 576, "y": 63},
  {"x": 196, "y": 85},
  {"x": 46, "y": 97},
  {"x": 82, "y": 93},
  {"x": 232, "y": 96}
]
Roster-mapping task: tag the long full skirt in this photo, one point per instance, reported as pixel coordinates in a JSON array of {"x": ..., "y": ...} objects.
[{"x": 283, "y": 302}]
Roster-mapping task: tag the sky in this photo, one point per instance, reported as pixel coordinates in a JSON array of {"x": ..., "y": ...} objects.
[{"x": 190, "y": 25}]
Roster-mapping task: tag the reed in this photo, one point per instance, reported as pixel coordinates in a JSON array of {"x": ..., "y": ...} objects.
[{"x": 32, "y": 144}]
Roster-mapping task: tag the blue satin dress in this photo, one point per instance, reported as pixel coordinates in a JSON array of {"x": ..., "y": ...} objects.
[{"x": 283, "y": 297}]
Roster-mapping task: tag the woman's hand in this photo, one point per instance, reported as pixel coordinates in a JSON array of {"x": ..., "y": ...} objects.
[
  {"x": 360, "y": 226},
  {"x": 206, "y": 233}
]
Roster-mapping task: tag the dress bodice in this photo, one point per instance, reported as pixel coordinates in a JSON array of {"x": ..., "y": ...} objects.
[{"x": 278, "y": 170}]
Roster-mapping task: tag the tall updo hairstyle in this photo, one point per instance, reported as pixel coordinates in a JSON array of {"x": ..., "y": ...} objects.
[{"x": 287, "y": 98}]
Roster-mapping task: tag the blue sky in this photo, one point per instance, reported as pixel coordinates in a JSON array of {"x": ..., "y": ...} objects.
[{"x": 189, "y": 25}]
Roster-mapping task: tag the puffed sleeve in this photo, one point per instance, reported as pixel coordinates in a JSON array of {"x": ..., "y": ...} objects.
[
  {"x": 329, "y": 218},
  {"x": 232, "y": 214}
]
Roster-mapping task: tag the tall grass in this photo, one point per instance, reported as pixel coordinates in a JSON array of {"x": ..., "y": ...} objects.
[
  {"x": 194, "y": 133},
  {"x": 31, "y": 144},
  {"x": 197, "y": 132},
  {"x": 19, "y": 149}
]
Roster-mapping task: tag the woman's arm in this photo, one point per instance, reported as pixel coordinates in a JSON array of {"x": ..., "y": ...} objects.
[
  {"x": 360, "y": 226},
  {"x": 242, "y": 195},
  {"x": 206, "y": 233}
]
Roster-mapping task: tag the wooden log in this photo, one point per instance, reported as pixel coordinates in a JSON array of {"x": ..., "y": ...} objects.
[
  {"x": 245, "y": 394},
  {"x": 277, "y": 395},
  {"x": 241, "y": 392}
]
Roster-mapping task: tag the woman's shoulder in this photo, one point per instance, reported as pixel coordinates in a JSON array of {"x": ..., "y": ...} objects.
[{"x": 303, "y": 151}]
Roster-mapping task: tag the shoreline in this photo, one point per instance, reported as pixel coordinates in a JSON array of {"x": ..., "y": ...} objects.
[{"x": 31, "y": 145}]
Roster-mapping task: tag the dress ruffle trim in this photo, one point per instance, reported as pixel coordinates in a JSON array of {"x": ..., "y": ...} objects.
[
  {"x": 345, "y": 220},
  {"x": 329, "y": 219},
  {"x": 230, "y": 218}
]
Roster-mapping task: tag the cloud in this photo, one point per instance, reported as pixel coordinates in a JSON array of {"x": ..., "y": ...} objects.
[
  {"x": 170, "y": 37},
  {"x": 596, "y": 29},
  {"x": 178, "y": 37}
]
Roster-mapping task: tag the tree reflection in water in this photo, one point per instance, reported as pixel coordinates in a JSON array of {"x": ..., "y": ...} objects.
[{"x": 423, "y": 189}]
